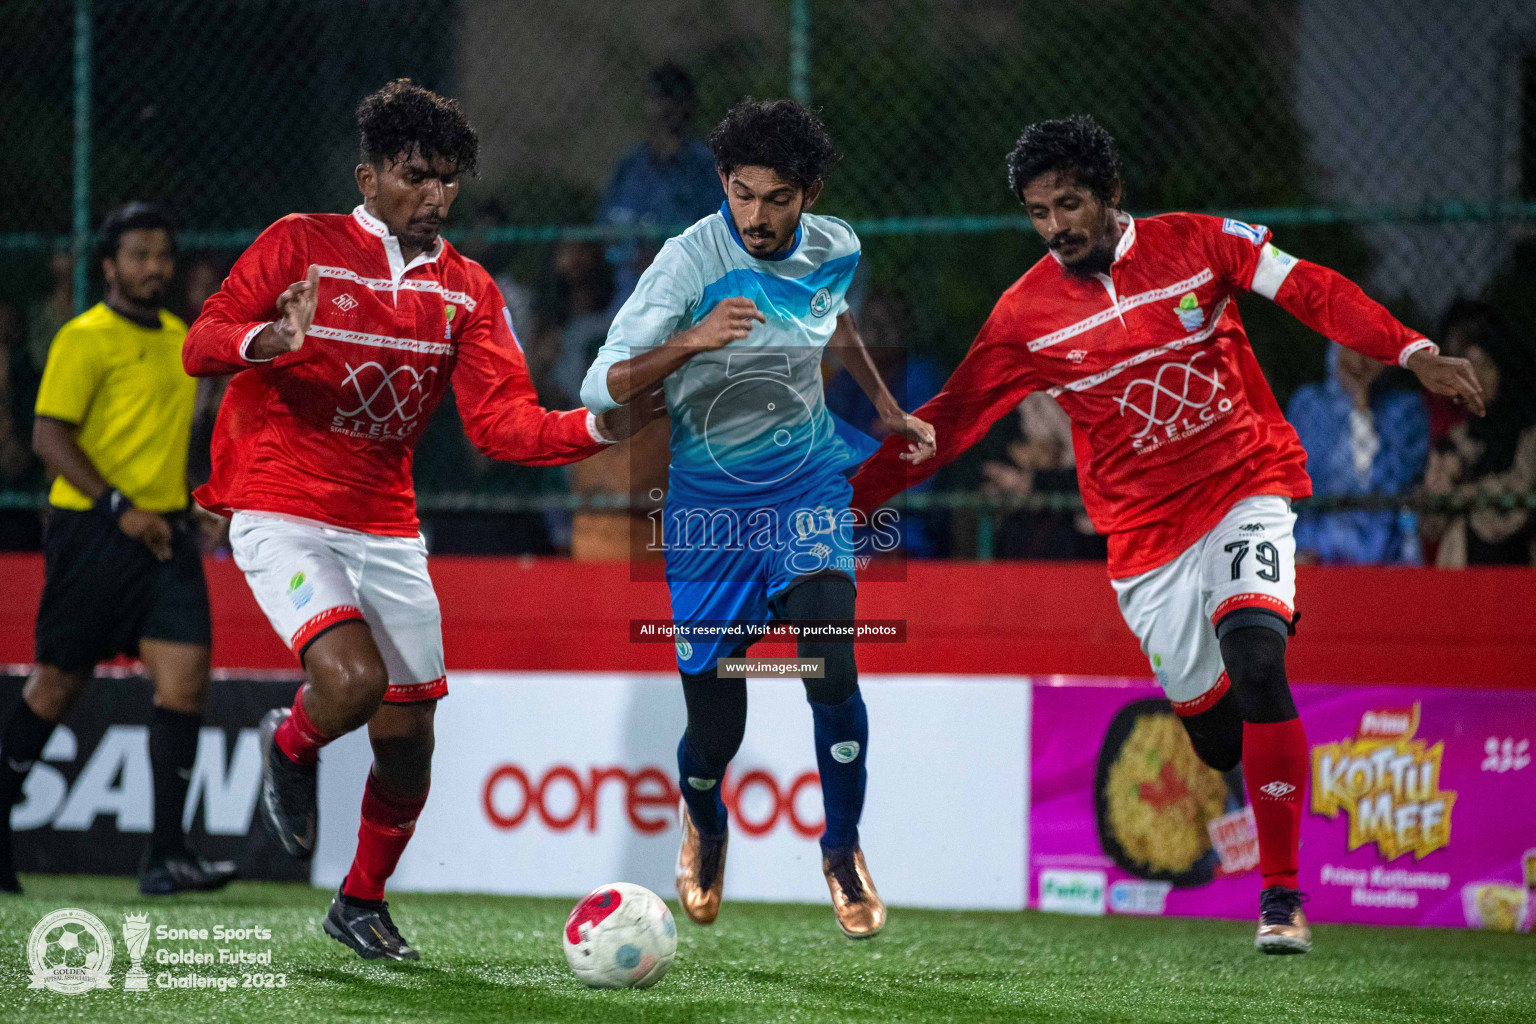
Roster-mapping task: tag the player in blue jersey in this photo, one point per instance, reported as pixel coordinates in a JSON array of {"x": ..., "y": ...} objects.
[{"x": 732, "y": 319}]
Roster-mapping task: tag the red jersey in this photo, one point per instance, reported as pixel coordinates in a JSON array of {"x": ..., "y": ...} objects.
[
  {"x": 328, "y": 432},
  {"x": 1172, "y": 420}
]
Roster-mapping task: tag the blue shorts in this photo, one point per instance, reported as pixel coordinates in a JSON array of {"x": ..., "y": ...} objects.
[{"x": 727, "y": 566}]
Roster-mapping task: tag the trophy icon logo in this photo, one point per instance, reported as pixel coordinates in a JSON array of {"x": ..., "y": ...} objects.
[{"x": 136, "y": 937}]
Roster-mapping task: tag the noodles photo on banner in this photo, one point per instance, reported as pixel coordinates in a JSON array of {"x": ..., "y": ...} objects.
[{"x": 1421, "y": 809}]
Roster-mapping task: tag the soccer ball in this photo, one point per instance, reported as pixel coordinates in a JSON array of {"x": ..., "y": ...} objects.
[{"x": 620, "y": 936}]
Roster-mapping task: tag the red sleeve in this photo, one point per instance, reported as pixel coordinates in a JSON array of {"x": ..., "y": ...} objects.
[
  {"x": 993, "y": 378},
  {"x": 1335, "y": 307},
  {"x": 246, "y": 302},
  {"x": 500, "y": 409},
  {"x": 1326, "y": 301}
]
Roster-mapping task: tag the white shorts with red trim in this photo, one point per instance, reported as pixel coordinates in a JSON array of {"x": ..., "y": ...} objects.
[
  {"x": 308, "y": 577},
  {"x": 1247, "y": 560}
]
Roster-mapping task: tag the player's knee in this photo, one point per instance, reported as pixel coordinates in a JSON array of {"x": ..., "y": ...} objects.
[
  {"x": 840, "y": 673},
  {"x": 1254, "y": 656},
  {"x": 1217, "y": 733},
  {"x": 355, "y": 684},
  {"x": 51, "y": 692},
  {"x": 827, "y": 597},
  {"x": 715, "y": 743}
]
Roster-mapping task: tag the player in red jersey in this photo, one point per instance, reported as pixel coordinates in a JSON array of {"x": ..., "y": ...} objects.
[
  {"x": 343, "y": 332},
  {"x": 1185, "y": 461}
]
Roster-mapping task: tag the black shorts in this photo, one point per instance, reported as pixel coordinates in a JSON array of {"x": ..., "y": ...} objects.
[{"x": 104, "y": 592}]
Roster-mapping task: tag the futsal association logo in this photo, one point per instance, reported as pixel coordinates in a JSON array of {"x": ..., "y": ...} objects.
[
  {"x": 70, "y": 951},
  {"x": 821, "y": 303}
]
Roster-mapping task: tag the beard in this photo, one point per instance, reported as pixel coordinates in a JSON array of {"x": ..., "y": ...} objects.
[
  {"x": 1097, "y": 261},
  {"x": 1101, "y": 255},
  {"x": 149, "y": 294}
]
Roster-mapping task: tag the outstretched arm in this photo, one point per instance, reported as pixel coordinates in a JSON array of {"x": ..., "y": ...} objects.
[
  {"x": 1335, "y": 307},
  {"x": 992, "y": 379},
  {"x": 848, "y": 344},
  {"x": 501, "y": 410}
]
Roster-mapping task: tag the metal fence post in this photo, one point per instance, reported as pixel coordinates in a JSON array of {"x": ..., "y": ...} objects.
[
  {"x": 800, "y": 50},
  {"x": 81, "y": 204}
]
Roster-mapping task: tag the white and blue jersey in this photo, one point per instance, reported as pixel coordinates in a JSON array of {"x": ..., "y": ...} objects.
[{"x": 757, "y": 493}]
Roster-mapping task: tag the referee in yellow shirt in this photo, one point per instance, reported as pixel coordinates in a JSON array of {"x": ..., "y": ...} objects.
[{"x": 123, "y": 570}]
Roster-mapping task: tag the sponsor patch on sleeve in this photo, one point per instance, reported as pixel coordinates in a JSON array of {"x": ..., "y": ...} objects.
[{"x": 1253, "y": 232}]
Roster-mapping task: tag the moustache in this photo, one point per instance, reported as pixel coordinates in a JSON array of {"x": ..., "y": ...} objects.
[{"x": 1064, "y": 239}]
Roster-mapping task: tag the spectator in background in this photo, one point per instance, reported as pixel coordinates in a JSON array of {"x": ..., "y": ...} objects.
[
  {"x": 1042, "y": 462},
  {"x": 490, "y": 214},
  {"x": 53, "y": 310},
  {"x": 1464, "y": 322},
  {"x": 1491, "y": 455},
  {"x": 669, "y": 178},
  {"x": 1363, "y": 434},
  {"x": 582, "y": 292},
  {"x": 633, "y": 468},
  {"x": 885, "y": 321}
]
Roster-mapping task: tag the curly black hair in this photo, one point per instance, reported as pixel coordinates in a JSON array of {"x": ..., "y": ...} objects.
[
  {"x": 1077, "y": 145},
  {"x": 403, "y": 119},
  {"x": 784, "y": 135},
  {"x": 133, "y": 216}
]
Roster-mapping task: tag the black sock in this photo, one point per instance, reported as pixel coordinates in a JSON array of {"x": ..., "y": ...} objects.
[
  {"x": 362, "y": 904},
  {"x": 172, "y": 749},
  {"x": 20, "y": 745}
]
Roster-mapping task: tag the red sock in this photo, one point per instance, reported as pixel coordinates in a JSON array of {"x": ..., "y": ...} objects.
[
  {"x": 297, "y": 736},
  {"x": 387, "y": 826},
  {"x": 1276, "y": 766}
]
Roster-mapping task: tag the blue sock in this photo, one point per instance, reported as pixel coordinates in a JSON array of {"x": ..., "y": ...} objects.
[
  {"x": 700, "y": 784},
  {"x": 842, "y": 741}
]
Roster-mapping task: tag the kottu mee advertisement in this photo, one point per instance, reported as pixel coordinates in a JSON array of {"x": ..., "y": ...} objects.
[{"x": 1421, "y": 810}]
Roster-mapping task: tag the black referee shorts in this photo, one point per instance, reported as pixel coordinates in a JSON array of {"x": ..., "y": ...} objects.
[{"x": 103, "y": 592}]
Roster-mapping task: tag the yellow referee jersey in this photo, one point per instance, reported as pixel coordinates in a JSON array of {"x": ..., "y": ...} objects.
[{"x": 124, "y": 387}]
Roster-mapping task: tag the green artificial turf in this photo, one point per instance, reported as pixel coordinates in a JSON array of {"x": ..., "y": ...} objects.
[{"x": 488, "y": 958}]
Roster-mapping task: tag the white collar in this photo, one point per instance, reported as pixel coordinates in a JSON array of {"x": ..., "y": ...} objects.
[
  {"x": 1127, "y": 234},
  {"x": 398, "y": 268}
]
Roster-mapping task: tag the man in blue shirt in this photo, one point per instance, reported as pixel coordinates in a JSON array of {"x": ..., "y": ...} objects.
[
  {"x": 669, "y": 178},
  {"x": 732, "y": 319},
  {"x": 1362, "y": 436}
]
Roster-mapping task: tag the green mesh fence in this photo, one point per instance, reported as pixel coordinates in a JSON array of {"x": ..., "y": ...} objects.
[{"x": 1394, "y": 140}]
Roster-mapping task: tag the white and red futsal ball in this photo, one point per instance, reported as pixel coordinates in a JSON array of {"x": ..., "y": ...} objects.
[{"x": 620, "y": 935}]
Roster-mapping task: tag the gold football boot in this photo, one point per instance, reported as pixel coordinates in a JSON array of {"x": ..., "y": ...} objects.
[
  {"x": 1282, "y": 925},
  {"x": 860, "y": 911},
  {"x": 700, "y": 871}
]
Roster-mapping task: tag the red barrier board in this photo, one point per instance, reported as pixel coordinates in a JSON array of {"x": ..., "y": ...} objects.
[{"x": 1423, "y": 626}]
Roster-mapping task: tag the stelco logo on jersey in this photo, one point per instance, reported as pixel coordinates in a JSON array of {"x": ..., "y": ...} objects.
[
  {"x": 1179, "y": 401},
  {"x": 563, "y": 799},
  {"x": 388, "y": 401},
  {"x": 1388, "y": 783}
]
